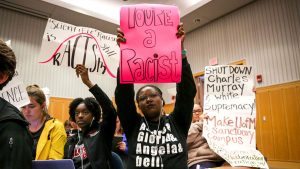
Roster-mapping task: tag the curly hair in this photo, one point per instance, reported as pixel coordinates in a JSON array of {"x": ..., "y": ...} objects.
[
  {"x": 7, "y": 61},
  {"x": 91, "y": 104}
]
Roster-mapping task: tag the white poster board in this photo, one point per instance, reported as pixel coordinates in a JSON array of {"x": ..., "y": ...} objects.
[
  {"x": 15, "y": 92},
  {"x": 229, "y": 101},
  {"x": 67, "y": 45}
]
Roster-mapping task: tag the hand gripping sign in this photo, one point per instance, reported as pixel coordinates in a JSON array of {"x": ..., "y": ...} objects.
[{"x": 152, "y": 52}]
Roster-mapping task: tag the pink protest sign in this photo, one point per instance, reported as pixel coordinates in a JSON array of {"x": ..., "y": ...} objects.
[{"x": 152, "y": 52}]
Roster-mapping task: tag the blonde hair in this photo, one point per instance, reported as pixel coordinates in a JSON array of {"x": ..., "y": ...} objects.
[{"x": 38, "y": 95}]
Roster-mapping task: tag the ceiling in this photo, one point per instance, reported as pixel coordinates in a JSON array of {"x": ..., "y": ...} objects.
[{"x": 104, "y": 14}]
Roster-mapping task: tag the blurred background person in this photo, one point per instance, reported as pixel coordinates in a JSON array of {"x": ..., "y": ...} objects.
[
  {"x": 197, "y": 111},
  {"x": 71, "y": 127},
  {"x": 200, "y": 156},
  {"x": 119, "y": 144}
]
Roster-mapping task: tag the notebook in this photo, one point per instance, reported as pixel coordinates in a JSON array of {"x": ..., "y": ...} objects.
[{"x": 53, "y": 164}]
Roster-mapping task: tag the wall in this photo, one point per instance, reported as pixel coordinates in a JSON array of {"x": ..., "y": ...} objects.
[{"x": 266, "y": 33}]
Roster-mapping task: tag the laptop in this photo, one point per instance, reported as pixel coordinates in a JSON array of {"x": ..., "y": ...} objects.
[{"x": 53, "y": 164}]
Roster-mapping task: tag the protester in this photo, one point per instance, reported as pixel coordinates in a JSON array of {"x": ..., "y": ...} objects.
[
  {"x": 199, "y": 153},
  {"x": 156, "y": 141},
  {"x": 200, "y": 156},
  {"x": 15, "y": 138},
  {"x": 90, "y": 148},
  {"x": 49, "y": 136}
]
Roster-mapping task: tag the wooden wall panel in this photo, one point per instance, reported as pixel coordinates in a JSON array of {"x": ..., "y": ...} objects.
[
  {"x": 278, "y": 117},
  {"x": 169, "y": 108},
  {"x": 292, "y": 106},
  {"x": 59, "y": 108},
  {"x": 264, "y": 129},
  {"x": 278, "y": 124}
]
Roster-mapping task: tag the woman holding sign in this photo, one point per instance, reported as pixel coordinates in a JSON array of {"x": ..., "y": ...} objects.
[{"x": 156, "y": 141}]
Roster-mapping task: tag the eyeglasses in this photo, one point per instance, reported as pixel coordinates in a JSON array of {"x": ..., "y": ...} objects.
[
  {"x": 84, "y": 113},
  {"x": 150, "y": 96},
  {"x": 197, "y": 110}
]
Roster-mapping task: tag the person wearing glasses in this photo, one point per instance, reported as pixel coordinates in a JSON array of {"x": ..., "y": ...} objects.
[
  {"x": 197, "y": 111},
  {"x": 156, "y": 141},
  {"x": 90, "y": 148},
  {"x": 199, "y": 153},
  {"x": 200, "y": 156}
]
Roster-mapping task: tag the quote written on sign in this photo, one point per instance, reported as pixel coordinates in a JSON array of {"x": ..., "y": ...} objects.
[
  {"x": 229, "y": 102},
  {"x": 152, "y": 51},
  {"x": 68, "y": 45}
]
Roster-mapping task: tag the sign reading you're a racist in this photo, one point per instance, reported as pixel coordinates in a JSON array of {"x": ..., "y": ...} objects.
[
  {"x": 152, "y": 52},
  {"x": 229, "y": 101}
]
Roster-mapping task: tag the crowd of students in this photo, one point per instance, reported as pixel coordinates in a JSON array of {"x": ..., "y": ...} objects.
[{"x": 151, "y": 140}]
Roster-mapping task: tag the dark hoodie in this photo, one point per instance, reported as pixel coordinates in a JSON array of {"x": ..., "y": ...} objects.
[
  {"x": 96, "y": 140},
  {"x": 15, "y": 138}
]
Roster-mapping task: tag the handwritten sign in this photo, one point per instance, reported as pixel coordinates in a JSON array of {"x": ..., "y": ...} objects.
[
  {"x": 152, "y": 52},
  {"x": 68, "y": 45},
  {"x": 15, "y": 92},
  {"x": 229, "y": 101}
]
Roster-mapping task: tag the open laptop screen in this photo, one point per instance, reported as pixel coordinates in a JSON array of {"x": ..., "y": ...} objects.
[{"x": 53, "y": 164}]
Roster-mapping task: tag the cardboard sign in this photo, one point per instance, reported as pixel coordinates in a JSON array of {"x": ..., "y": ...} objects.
[
  {"x": 152, "y": 52},
  {"x": 15, "y": 92},
  {"x": 229, "y": 101},
  {"x": 68, "y": 45}
]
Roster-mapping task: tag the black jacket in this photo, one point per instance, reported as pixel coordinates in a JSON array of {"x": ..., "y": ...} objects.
[
  {"x": 15, "y": 139},
  {"x": 170, "y": 140},
  {"x": 98, "y": 146}
]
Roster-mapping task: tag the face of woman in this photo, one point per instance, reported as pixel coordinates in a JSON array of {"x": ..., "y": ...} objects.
[
  {"x": 83, "y": 116},
  {"x": 150, "y": 103},
  {"x": 33, "y": 111},
  {"x": 197, "y": 111}
]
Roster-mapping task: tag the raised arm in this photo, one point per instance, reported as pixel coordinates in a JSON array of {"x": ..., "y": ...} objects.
[
  {"x": 108, "y": 111},
  {"x": 124, "y": 97},
  {"x": 126, "y": 109},
  {"x": 186, "y": 91}
]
